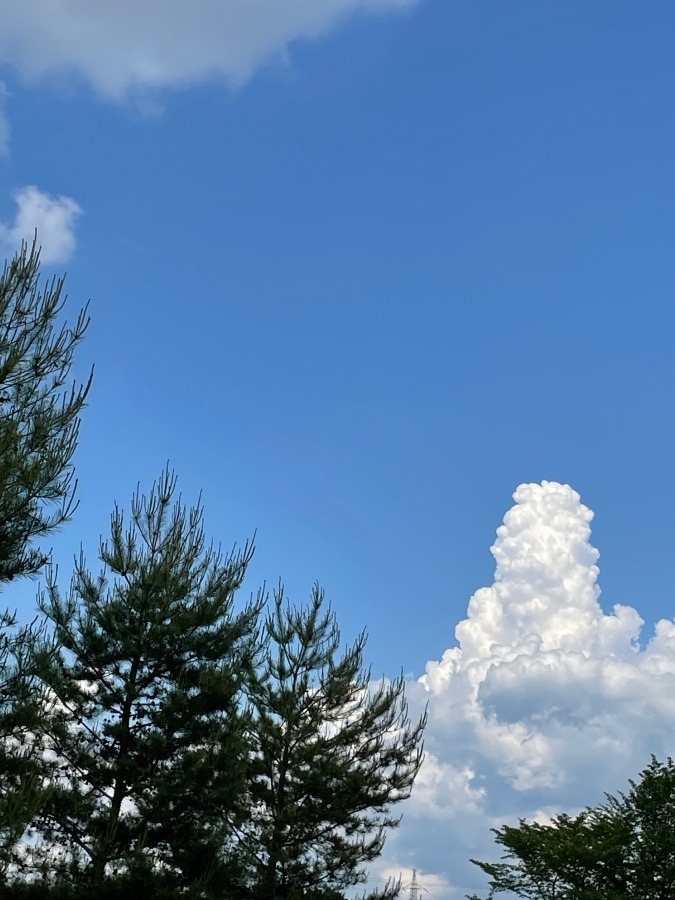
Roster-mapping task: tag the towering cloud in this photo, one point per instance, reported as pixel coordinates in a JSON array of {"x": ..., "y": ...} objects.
[{"x": 545, "y": 700}]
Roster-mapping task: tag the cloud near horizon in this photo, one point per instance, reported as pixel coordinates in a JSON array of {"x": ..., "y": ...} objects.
[
  {"x": 139, "y": 45},
  {"x": 53, "y": 218},
  {"x": 544, "y": 702}
]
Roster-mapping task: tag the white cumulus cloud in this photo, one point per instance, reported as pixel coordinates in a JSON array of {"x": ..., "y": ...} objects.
[
  {"x": 138, "y": 44},
  {"x": 543, "y": 702},
  {"x": 53, "y": 218}
]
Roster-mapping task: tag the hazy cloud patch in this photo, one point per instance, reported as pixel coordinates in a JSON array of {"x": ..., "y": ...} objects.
[
  {"x": 54, "y": 219},
  {"x": 135, "y": 45}
]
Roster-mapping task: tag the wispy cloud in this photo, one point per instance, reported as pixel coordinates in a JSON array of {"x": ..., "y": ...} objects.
[
  {"x": 543, "y": 702},
  {"x": 53, "y": 218},
  {"x": 129, "y": 45}
]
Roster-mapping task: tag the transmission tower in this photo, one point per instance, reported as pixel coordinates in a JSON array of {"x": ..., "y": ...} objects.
[{"x": 414, "y": 889}]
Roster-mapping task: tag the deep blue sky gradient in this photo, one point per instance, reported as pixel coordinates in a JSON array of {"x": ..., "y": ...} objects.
[{"x": 360, "y": 300}]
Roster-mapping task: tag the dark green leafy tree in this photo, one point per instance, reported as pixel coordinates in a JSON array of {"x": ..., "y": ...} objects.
[
  {"x": 39, "y": 424},
  {"x": 580, "y": 857},
  {"x": 331, "y": 754},
  {"x": 648, "y": 811},
  {"x": 621, "y": 850},
  {"x": 147, "y": 724}
]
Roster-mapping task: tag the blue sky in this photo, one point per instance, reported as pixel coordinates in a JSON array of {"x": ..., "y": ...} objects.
[{"x": 358, "y": 271}]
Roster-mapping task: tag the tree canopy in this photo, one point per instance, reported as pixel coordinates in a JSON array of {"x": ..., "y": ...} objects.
[
  {"x": 145, "y": 718},
  {"x": 39, "y": 412},
  {"x": 331, "y": 754},
  {"x": 623, "y": 849},
  {"x": 157, "y": 736},
  {"x": 39, "y": 427}
]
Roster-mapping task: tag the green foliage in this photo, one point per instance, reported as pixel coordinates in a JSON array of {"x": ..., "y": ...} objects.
[
  {"x": 152, "y": 742},
  {"x": 146, "y": 721},
  {"x": 131, "y": 885},
  {"x": 39, "y": 423},
  {"x": 331, "y": 754},
  {"x": 39, "y": 413},
  {"x": 572, "y": 857},
  {"x": 622, "y": 850},
  {"x": 21, "y": 788},
  {"x": 648, "y": 812}
]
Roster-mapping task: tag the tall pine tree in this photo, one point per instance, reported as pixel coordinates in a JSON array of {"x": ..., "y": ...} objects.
[
  {"x": 331, "y": 754},
  {"x": 39, "y": 413},
  {"x": 146, "y": 725},
  {"x": 39, "y": 425}
]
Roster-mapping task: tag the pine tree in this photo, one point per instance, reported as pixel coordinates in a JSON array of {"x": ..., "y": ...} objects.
[
  {"x": 147, "y": 725},
  {"x": 39, "y": 424},
  {"x": 39, "y": 413},
  {"x": 21, "y": 787},
  {"x": 331, "y": 754}
]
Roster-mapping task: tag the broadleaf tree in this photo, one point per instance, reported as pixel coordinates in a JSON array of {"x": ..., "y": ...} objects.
[
  {"x": 623, "y": 849},
  {"x": 580, "y": 857},
  {"x": 331, "y": 754},
  {"x": 647, "y": 810},
  {"x": 147, "y": 723}
]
